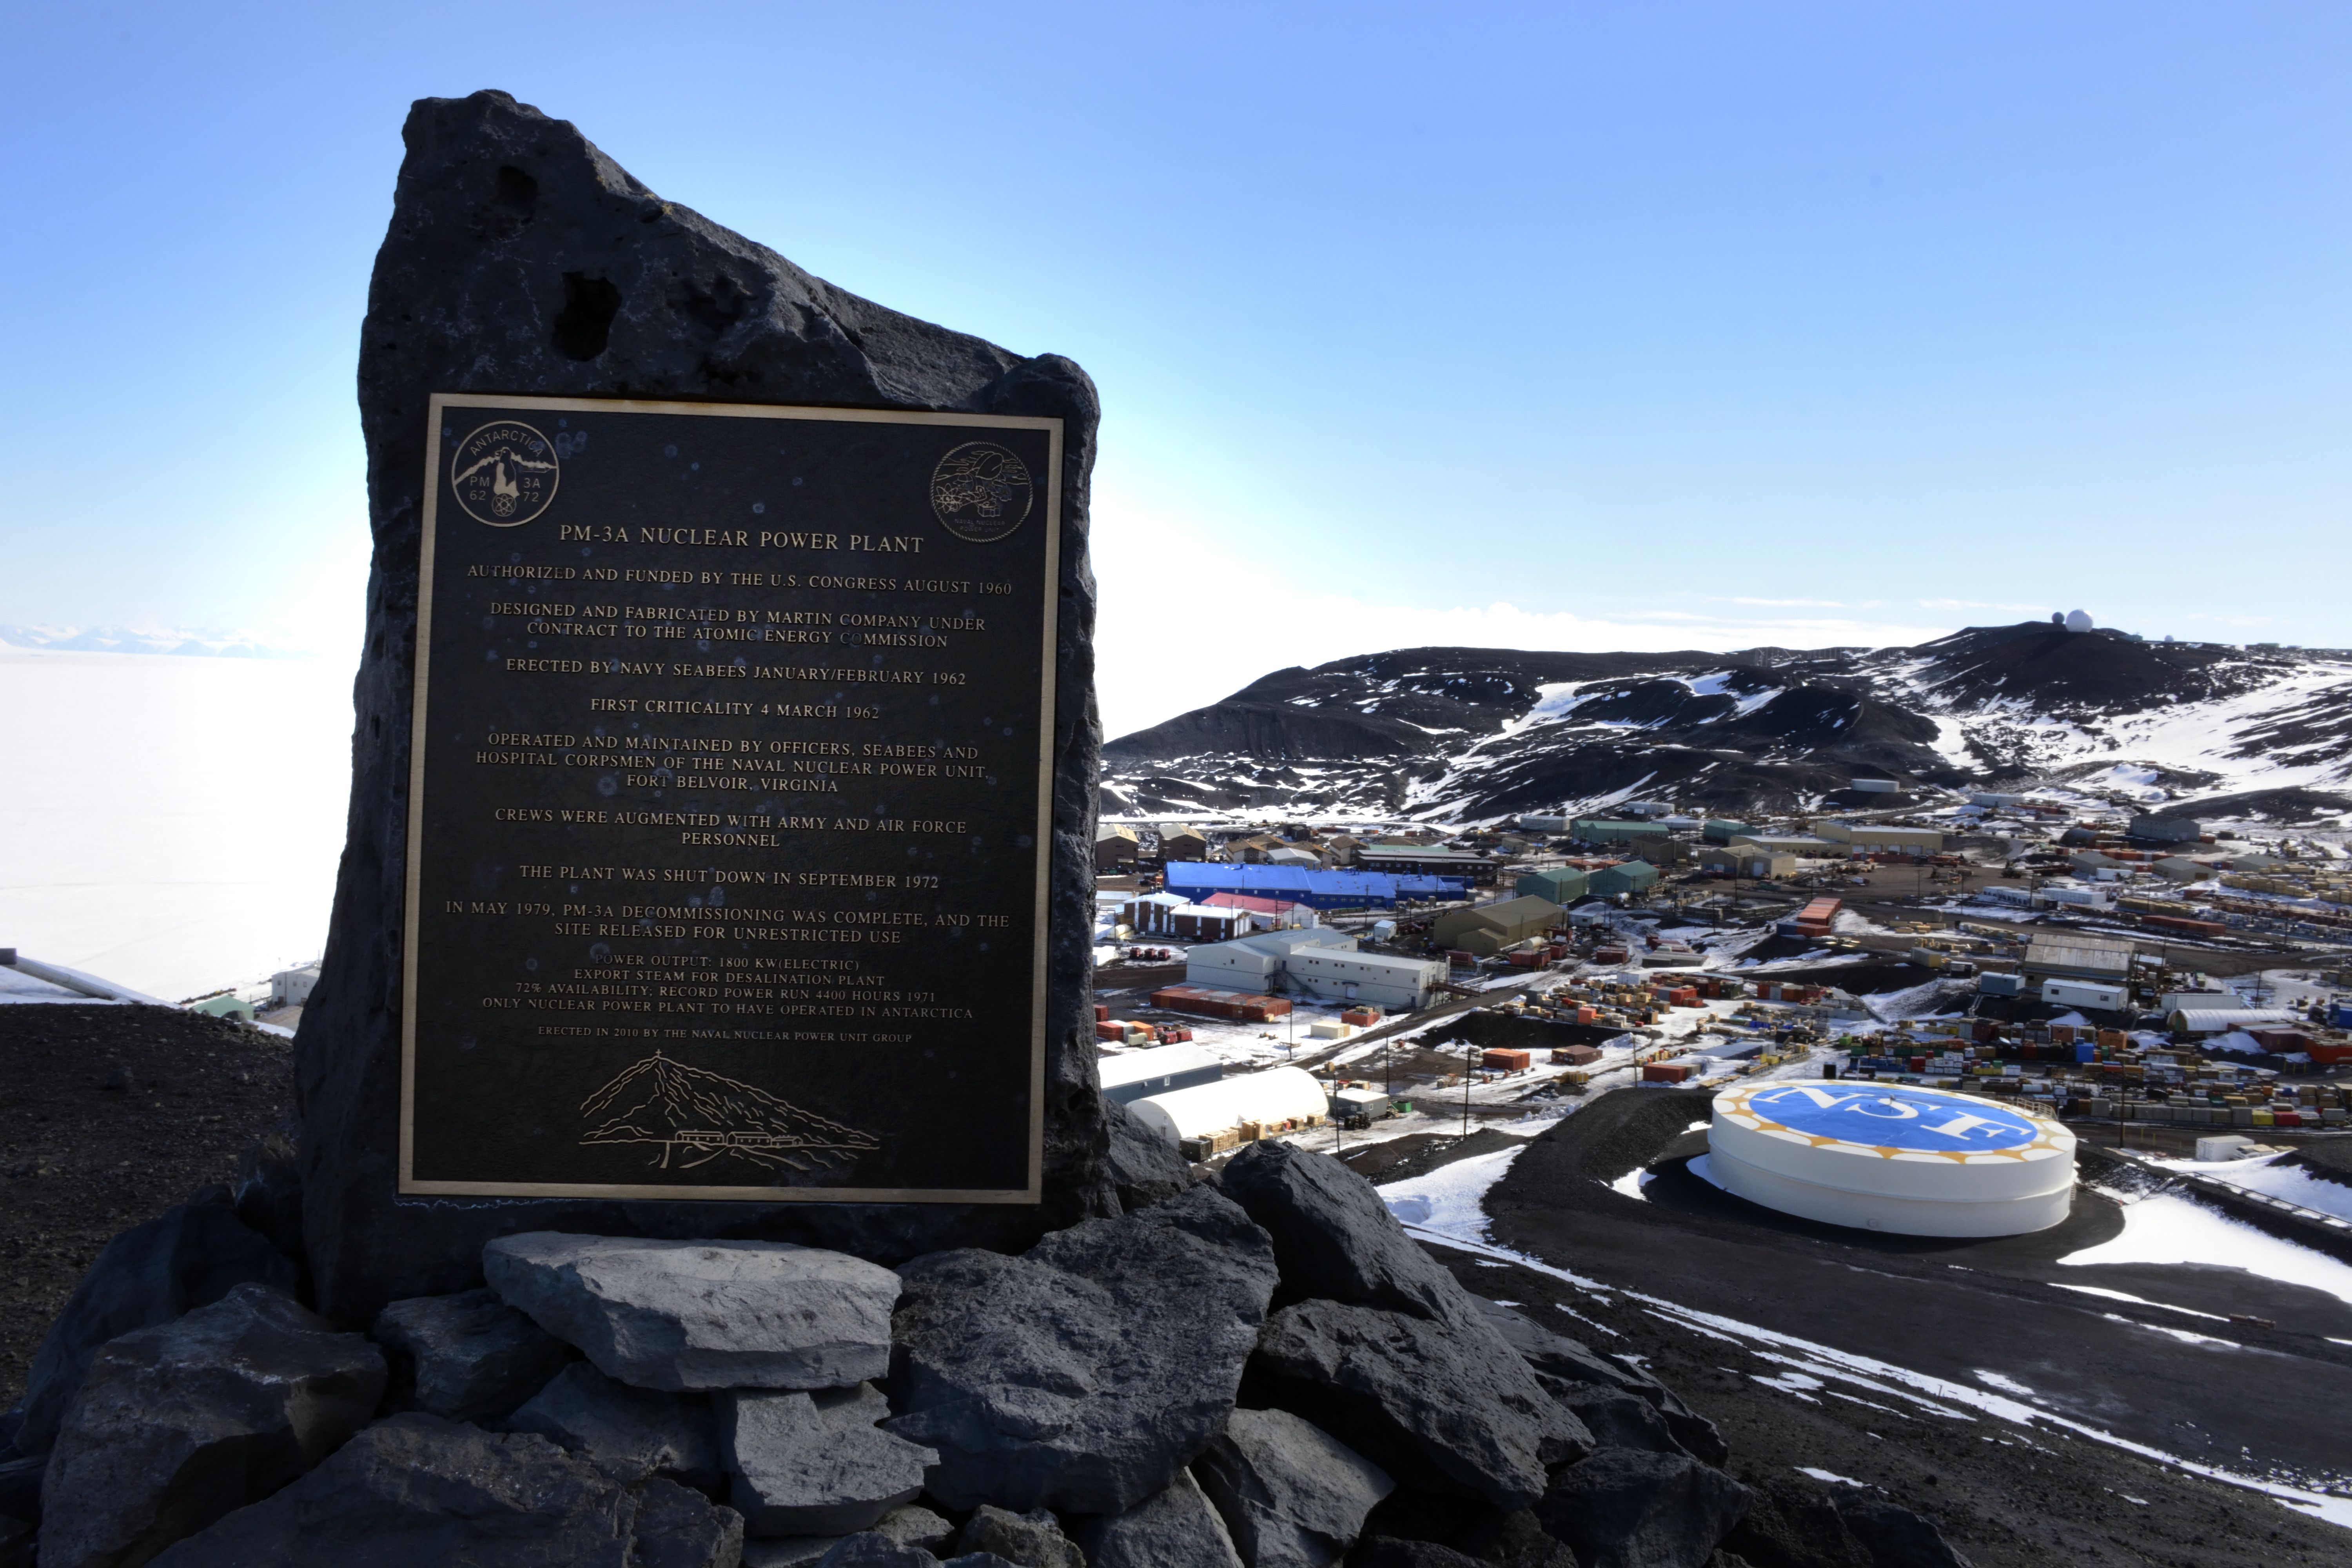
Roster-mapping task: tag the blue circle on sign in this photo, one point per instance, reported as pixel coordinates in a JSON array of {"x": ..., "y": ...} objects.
[{"x": 1906, "y": 1119}]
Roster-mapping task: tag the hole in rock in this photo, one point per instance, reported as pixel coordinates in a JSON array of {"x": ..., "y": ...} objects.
[{"x": 585, "y": 323}]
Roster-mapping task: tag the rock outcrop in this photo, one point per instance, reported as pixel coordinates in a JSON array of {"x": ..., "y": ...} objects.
[
  {"x": 469, "y": 1357},
  {"x": 186, "y": 1257},
  {"x": 631, "y": 1432},
  {"x": 1291, "y": 1495},
  {"x": 1178, "y": 1525},
  {"x": 1623, "y": 1508},
  {"x": 1382, "y": 1344},
  {"x": 178, "y": 1426},
  {"x": 520, "y": 256},
  {"x": 804, "y": 1465},
  {"x": 1083, "y": 1375},
  {"x": 416, "y": 1490}
]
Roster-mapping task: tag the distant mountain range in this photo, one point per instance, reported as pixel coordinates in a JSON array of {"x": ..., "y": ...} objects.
[
  {"x": 121, "y": 639},
  {"x": 1466, "y": 735}
]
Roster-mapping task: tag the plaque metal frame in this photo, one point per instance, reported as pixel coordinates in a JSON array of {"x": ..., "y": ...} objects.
[{"x": 409, "y": 1185}]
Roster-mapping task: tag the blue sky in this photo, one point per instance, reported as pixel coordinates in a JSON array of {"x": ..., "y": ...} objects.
[{"x": 1570, "y": 325}]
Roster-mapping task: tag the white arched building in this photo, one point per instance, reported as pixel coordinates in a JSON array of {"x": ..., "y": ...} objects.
[{"x": 1271, "y": 1099}]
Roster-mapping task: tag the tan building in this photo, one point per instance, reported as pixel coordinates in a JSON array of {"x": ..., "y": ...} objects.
[
  {"x": 1116, "y": 849},
  {"x": 1489, "y": 929},
  {"x": 1180, "y": 841},
  {"x": 1743, "y": 860},
  {"x": 1795, "y": 846},
  {"x": 1257, "y": 849},
  {"x": 1871, "y": 836}
]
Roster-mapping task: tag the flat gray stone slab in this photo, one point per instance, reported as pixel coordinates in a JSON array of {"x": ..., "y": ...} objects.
[{"x": 680, "y": 1315}]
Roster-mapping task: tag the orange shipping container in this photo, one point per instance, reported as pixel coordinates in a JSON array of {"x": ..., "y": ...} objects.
[{"x": 1510, "y": 1062}]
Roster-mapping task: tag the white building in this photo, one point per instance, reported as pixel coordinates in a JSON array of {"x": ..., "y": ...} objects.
[
  {"x": 1131, "y": 1076},
  {"x": 293, "y": 986},
  {"x": 1251, "y": 962},
  {"x": 1382, "y": 980},
  {"x": 1320, "y": 961}
]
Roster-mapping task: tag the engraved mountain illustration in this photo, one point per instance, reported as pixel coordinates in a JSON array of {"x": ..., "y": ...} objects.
[{"x": 693, "y": 1115}]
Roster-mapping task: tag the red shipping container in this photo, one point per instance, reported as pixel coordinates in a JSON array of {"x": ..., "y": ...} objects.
[
  {"x": 1666, "y": 1072},
  {"x": 1574, "y": 1056},
  {"x": 1510, "y": 1062},
  {"x": 1215, "y": 1004},
  {"x": 1361, "y": 1017},
  {"x": 1101, "y": 1013},
  {"x": 1686, "y": 996},
  {"x": 1112, "y": 1030}
]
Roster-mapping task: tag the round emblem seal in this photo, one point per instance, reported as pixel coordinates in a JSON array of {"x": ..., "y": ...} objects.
[
  {"x": 980, "y": 491},
  {"x": 504, "y": 473}
]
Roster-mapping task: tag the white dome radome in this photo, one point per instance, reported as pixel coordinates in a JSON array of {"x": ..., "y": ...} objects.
[{"x": 2079, "y": 621}]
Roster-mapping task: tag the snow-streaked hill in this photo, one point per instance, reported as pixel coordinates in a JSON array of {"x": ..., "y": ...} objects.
[{"x": 1471, "y": 734}]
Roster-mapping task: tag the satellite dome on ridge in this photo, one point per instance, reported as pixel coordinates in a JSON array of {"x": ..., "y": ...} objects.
[
  {"x": 1914, "y": 1161},
  {"x": 2079, "y": 621}
]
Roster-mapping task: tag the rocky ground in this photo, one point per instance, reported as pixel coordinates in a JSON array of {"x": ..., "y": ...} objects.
[
  {"x": 112, "y": 1115},
  {"x": 1722, "y": 1304},
  {"x": 1114, "y": 1324}
]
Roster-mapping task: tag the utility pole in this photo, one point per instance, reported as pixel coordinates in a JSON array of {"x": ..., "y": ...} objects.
[{"x": 1467, "y": 1048}]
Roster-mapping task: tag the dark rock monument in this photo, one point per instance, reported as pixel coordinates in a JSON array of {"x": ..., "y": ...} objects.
[{"x": 521, "y": 261}]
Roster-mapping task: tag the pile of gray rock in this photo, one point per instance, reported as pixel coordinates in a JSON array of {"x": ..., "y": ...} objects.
[{"x": 1262, "y": 1370}]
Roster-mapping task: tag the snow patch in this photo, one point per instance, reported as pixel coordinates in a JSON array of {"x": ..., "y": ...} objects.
[{"x": 2166, "y": 1228}]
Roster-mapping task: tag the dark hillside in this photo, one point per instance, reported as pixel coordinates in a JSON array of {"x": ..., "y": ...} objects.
[{"x": 1454, "y": 734}]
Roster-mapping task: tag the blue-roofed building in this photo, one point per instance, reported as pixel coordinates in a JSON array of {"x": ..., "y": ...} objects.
[{"x": 1321, "y": 889}]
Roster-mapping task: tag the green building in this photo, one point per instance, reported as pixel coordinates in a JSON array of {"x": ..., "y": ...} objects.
[
  {"x": 1627, "y": 876},
  {"x": 1488, "y": 928},
  {"x": 1559, "y": 884},
  {"x": 1599, "y": 830},
  {"x": 1722, "y": 830}
]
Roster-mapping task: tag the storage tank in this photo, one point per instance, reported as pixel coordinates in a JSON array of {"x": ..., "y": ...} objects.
[
  {"x": 1274, "y": 1096},
  {"x": 1911, "y": 1161}
]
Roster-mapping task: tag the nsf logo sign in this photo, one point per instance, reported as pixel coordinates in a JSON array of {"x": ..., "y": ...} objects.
[{"x": 1924, "y": 1120}]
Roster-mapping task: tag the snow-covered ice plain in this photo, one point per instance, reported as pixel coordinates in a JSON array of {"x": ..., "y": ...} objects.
[{"x": 171, "y": 823}]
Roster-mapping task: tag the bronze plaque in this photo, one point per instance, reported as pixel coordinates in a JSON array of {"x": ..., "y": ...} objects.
[{"x": 730, "y": 803}]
